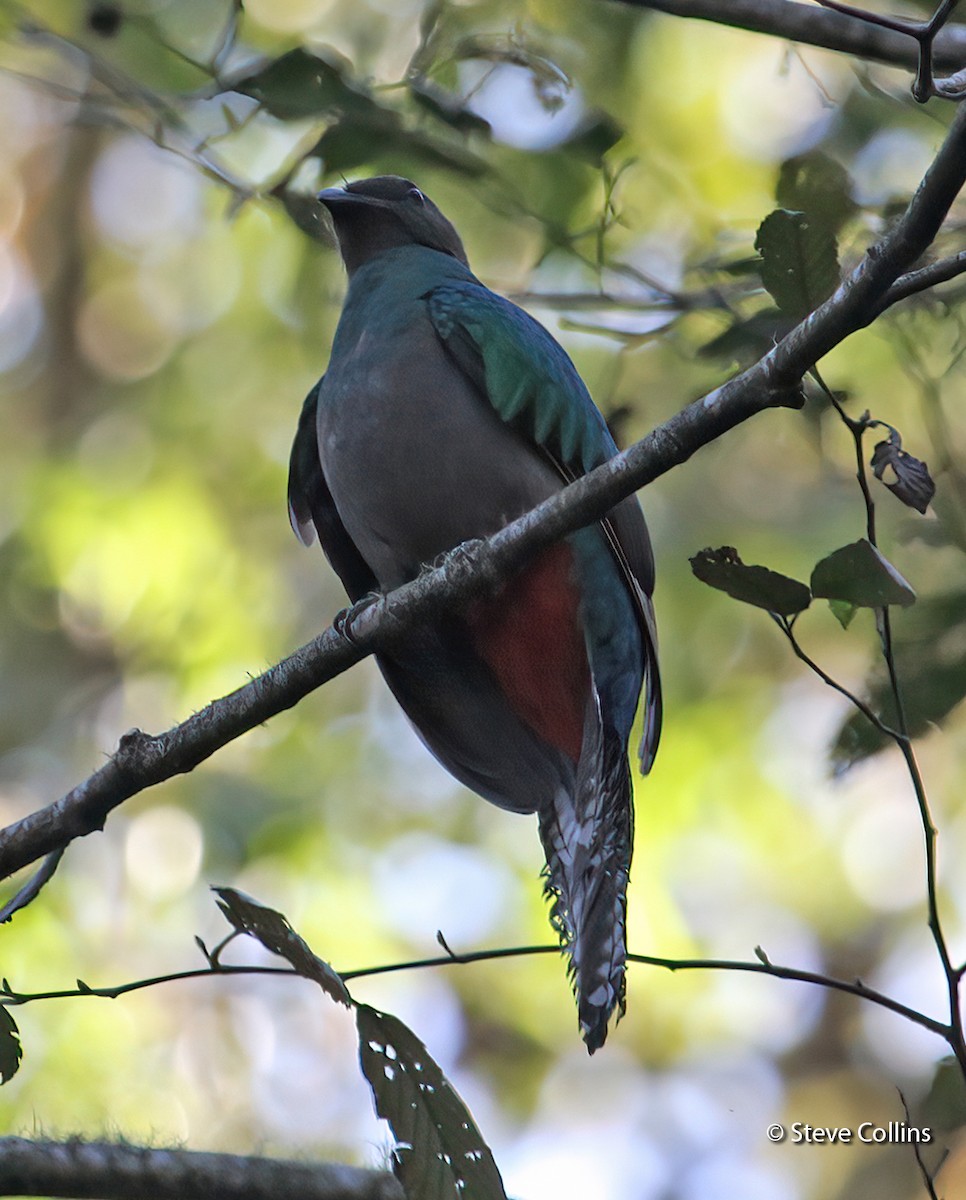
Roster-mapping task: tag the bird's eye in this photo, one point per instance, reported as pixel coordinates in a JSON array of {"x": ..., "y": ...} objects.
[{"x": 415, "y": 194}]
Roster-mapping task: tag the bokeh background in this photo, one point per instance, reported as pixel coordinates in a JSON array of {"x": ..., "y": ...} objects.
[{"x": 162, "y": 315}]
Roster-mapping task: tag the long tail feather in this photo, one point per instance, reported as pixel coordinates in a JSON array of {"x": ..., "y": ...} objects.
[{"x": 587, "y": 835}]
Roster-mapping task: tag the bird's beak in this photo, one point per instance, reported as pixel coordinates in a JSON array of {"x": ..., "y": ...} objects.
[{"x": 336, "y": 197}]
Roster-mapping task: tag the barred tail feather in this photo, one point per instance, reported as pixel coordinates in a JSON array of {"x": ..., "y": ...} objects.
[{"x": 587, "y": 834}]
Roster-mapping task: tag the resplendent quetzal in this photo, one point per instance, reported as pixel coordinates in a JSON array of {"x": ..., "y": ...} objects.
[{"x": 445, "y": 412}]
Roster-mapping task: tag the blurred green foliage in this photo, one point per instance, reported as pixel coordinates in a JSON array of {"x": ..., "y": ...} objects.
[{"x": 168, "y": 296}]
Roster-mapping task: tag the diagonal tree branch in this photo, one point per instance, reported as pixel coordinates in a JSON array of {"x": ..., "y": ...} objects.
[
  {"x": 143, "y": 760},
  {"x": 117, "y": 1171},
  {"x": 812, "y": 26}
]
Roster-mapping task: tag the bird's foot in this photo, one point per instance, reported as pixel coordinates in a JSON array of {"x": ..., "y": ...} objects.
[
  {"x": 343, "y": 620},
  {"x": 466, "y": 559}
]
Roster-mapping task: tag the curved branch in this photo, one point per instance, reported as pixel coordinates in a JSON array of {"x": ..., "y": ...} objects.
[
  {"x": 142, "y": 760},
  {"x": 123, "y": 1172},
  {"x": 817, "y": 27}
]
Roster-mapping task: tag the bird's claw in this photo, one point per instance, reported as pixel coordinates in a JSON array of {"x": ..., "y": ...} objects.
[{"x": 343, "y": 620}]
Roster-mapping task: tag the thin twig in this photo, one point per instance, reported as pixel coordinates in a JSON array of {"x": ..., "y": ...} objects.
[
  {"x": 762, "y": 966},
  {"x": 32, "y": 888},
  {"x": 957, "y": 1041},
  {"x": 928, "y": 1178}
]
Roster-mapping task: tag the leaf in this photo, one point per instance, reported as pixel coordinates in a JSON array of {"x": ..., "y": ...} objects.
[
  {"x": 912, "y": 483},
  {"x": 799, "y": 261},
  {"x": 861, "y": 575},
  {"x": 11, "y": 1051},
  {"x": 593, "y": 138},
  {"x": 301, "y": 84},
  {"x": 747, "y": 340},
  {"x": 944, "y": 1108},
  {"x": 724, "y": 570},
  {"x": 843, "y": 612},
  {"x": 447, "y": 107},
  {"x": 274, "y": 932},
  {"x": 351, "y": 142},
  {"x": 816, "y": 184},
  {"x": 930, "y": 654},
  {"x": 440, "y": 1154}
]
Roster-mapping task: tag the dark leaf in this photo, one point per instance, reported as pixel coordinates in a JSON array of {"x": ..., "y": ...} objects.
[
  {"x": 724, "y": 570},
  {"x": 912, "y": 482},
  {"x": 11, "y": 1051},
  {"x": 860, "y": 575},
  {"x": 815, "y": 184},
  {"x": 301, "y": 84},
  {"x": 274, "y": 932},
  {"x": 799, "y": 261},
  {"x": 350, "y": 142},
  {"x": 440, "y": 1154},
  {"x": 593, "y": 138},
  {"x": 930, "y": 653},
  {"x": 307, "y": 213},
  {"x": 944, "y": 1108},
  {"x": 747, "y": 340},
  {"x": 447, "y": 107}
]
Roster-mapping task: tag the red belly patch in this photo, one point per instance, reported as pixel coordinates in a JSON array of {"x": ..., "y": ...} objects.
[{"x": 530, "y": 637}]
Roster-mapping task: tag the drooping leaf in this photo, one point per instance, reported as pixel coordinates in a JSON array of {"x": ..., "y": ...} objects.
[
  {"x": 724, "y": 570},
  {"x": 799, "y": 261},
  {"x": 440, "y": 1154},
  {"x": 815, "y": 184},
  {"x": 911, "y": 481},
  {"x": 861, "y": 575},
  {"x": 11, "y": 1051},
  {"x": 274, "y": 932},
  {"x": 843, "y": 612}
]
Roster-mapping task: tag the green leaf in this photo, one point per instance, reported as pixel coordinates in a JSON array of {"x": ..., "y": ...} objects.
[
  {"x": 944, "y": 1108},
  {"x": 799, "y": 261},
  {"x": 724, "y": 570},
  {"x": 815, "y": 184},
  {"x": 440, "y": 1154},
  {"x": 274, "y": 932},
  {"x": 843, "y": 611},
  {"x": 860, "y": 575},
  {"x": 301, "y": 84},
  {"x": 11, "y": 1051}
]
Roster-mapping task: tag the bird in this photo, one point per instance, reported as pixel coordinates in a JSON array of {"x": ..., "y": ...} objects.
[{"x": 445, "y": 412}]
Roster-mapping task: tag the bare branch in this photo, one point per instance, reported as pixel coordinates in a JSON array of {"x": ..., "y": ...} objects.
[
  {"x": 817, "y": 27},
  {"x": 122, "y": 1172}
]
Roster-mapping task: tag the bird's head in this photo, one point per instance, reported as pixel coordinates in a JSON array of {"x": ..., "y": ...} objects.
[{"x": 374, "y": 215}]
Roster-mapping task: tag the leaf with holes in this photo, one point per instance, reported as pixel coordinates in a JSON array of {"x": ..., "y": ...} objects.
[
  {"x": 909, "y": 477},
  {"x": 799, "y": 261},
  {"x": 11, "y": 1052},
  {"x": 440, "y": 1154},
  {"x": 274, "y": 932},
  {"x": 861, "y": 575},
  {"x": 724, "y": 570}
]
